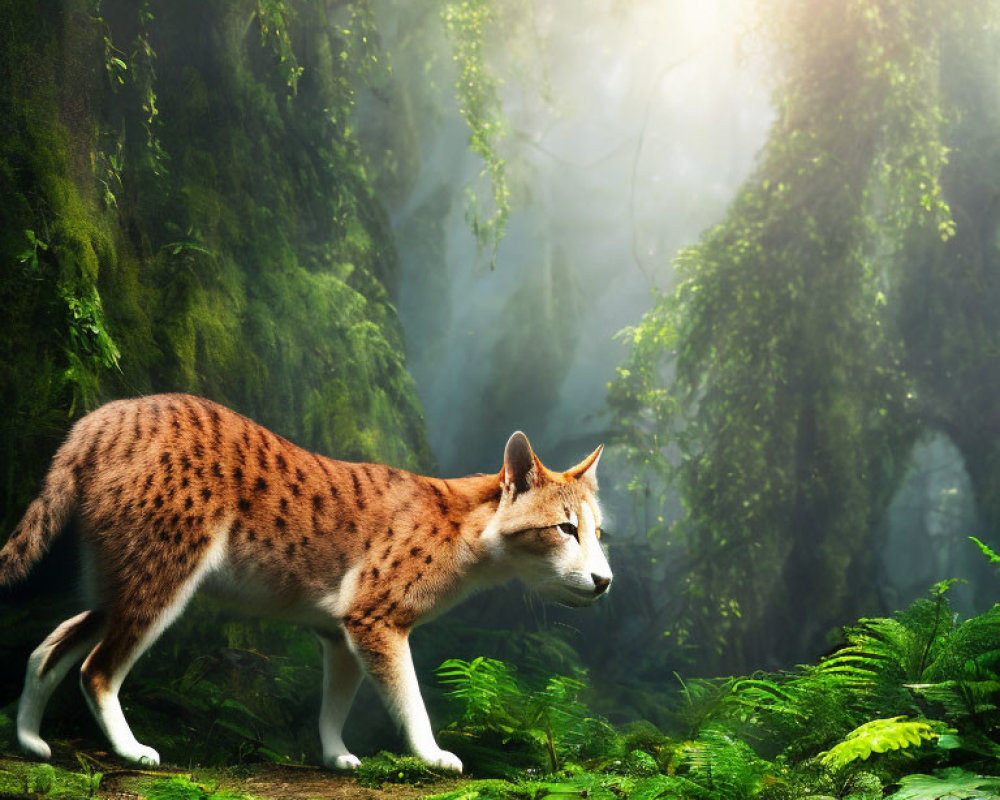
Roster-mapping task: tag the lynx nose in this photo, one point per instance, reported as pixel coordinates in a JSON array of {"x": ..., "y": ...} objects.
[{"x": 601, "y": 583}]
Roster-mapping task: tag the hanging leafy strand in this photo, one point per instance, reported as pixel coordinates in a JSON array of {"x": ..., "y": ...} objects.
[
  {"x": 467, "y": 23},
  {"x": 765, "y": 388}
]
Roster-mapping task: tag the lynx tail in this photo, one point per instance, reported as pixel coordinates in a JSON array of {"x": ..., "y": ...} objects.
[{"x": 46, "y": 517}]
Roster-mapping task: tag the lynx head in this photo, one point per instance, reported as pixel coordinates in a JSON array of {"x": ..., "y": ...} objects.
[{"x": 548, "y": 525}]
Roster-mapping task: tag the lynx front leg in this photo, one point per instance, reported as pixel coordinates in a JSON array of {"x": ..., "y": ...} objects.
[
  {"x": 341, "y": 676},
  {"x": 386, "y": 655}
]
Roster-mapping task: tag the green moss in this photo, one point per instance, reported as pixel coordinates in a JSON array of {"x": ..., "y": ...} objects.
[
  {"x": 388, "y": 768},
  {"x": 19, "y": 778},
  {"x": 226, "y": 243}
]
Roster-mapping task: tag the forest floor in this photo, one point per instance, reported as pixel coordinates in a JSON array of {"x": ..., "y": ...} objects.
[{"x": 81, "y": 774}]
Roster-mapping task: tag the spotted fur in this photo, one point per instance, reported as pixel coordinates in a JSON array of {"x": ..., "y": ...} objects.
[{"x": 174, "y": 494}]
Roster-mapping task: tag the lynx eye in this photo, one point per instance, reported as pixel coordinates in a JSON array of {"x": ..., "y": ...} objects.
[{"x": 569, "y": 529}]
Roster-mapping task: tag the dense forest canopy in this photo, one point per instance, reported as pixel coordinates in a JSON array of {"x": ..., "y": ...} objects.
[{"x": 398, "y": 230}]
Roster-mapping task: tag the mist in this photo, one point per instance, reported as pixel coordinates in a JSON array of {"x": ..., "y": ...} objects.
[{"x": 629, "y": 129}]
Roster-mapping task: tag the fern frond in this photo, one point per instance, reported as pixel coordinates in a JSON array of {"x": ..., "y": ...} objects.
[
  {"x": 953, "y": 783},
  {"x": 986, "y": 551},
  {"x": 725, "y": 766},
  {"x": 878, "y": 736}
]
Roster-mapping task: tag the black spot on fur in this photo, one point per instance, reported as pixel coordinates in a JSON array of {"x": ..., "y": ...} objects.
[
  {"x": 158, "y": 501},
  {"x": 188, "y": 502},
  {"x": 290, "y": 550},
  {"x": 238, "y": 474},
  {"x": 216, "y": 469},
  {"x": 243, "y": 504},
  {"x": 415, "y": 551},
  {"x": 357, "y": 491},
  {"x": 428, "y": 560},
  {"x": 260, "y": 485},
  {"x": 206, "y": 493},
  {"x": 281, "y": 463},
  {"x": 279, "y": 523},
  {"x": 317, "y": 502},
  {"x": 300, "y": 476}
]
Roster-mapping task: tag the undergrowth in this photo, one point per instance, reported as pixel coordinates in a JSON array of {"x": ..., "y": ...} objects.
[{"x": 906, "y": 709}]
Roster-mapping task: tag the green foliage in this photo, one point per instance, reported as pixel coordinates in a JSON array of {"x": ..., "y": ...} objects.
[
  {"x": 467, "y": 23},
  {"x": 907, "y": 694},
  {"x": 991, "y": 556},
  {"x": 879, "y": 736},
  {"x": 151, "y": 251},
  {"x": 543, "y": 722},
  {"x": 20, "y": 779},
  {"x": 953, "y": 783},
  {"x": 389, "y": 768},
  {"x": 766, "y": 389}
]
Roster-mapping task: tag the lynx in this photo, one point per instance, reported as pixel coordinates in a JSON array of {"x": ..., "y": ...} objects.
[{"x": 173, "y": 495}]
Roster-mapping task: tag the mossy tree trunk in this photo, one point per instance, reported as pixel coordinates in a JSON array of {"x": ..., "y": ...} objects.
[{"x": 183, "y": 207}]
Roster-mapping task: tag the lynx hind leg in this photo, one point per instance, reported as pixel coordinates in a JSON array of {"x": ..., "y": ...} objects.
[
  {"x": 47, "y": 666},
  {"x": 138, "y": 614},
  {"x": 341, "y": 677}
]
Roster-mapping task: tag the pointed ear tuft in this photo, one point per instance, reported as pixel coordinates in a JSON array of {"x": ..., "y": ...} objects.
[
  {"x": 586, "y": 470},
  {"x": 519, "y": 463}
]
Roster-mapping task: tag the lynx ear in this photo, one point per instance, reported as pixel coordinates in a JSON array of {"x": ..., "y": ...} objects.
[
  {"x": 586, "y": 470},
  {"x": 519, "y": 463}
]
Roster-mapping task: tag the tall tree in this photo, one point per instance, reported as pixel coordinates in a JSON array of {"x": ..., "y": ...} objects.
[{"x": 765, "y": 385}]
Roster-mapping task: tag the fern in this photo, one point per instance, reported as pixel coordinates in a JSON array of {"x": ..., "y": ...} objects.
[
  {"x": 725, "y": 766},
  {"x": 878, "y": 736},
  {"x": 552, "y": 721},
  {"x": 953, "y": 784},
  {"x": 986, "y": 550},
  {"x": 485, "y": 686}
]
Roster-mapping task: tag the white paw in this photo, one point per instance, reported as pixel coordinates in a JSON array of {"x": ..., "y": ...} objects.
[
  {"x": 34, "y": 746},
  {"x": 342, "y": 763},
  {"x": 442, "y": 759},
  {"x": 140, "y": 754}
]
